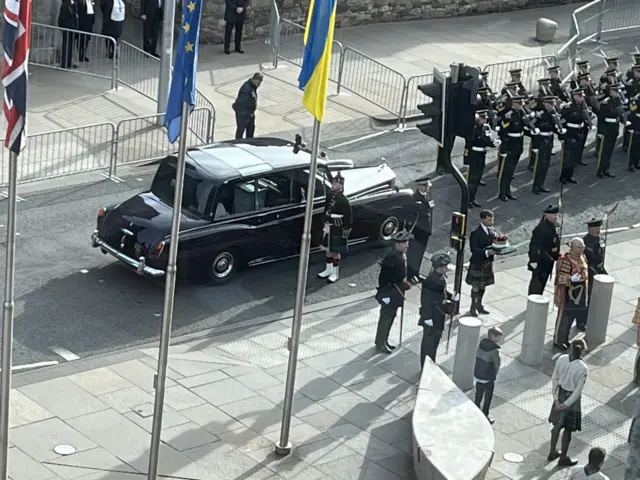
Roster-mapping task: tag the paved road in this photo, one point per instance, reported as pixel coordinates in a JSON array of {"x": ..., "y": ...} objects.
[{"x": 71, "y": 298}]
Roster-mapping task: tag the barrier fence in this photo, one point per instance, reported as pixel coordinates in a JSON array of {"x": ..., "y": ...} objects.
[{"x": 103, "y": 146}]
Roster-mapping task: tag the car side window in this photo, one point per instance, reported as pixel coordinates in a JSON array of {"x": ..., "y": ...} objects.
[
  {"x": 235, "y": 198},
  {"x": 274, "y": 190},
  {"x": 301, "y": 183}
]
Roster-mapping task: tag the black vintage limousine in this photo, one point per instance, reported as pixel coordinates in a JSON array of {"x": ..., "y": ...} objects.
[{"x": 243, "y": 205}]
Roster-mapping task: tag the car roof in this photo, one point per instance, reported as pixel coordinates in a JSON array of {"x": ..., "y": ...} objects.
[{"x": 245, "y": 158}]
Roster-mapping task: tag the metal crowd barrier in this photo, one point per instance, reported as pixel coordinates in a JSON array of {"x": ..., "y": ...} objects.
[
  {"x": 46, "y": 51},
  {"x": 532, "y": 69},
  {"x": 138, "y": 70}
]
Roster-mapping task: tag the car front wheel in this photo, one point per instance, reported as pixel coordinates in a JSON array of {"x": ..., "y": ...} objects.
[
  {"x": 224, "y": 267},
  {"x": 387, "y": 228}
]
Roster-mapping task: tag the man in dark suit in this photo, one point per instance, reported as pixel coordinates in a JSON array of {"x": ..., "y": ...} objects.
[
  {"x": 68, "y": 20},
  {"x": 544, "y": 250},
  {"x": 234, "y": 15},
  {"x": 480, "y": 272},
  {"x": 86, "y": 19},
  {"x": 421, "y": 230},
  {"x": 152, "y": 12},
  {"x": 245, "y": 106}
]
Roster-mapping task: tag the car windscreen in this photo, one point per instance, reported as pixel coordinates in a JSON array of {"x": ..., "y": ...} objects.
[{"x": 197, "y": 195}]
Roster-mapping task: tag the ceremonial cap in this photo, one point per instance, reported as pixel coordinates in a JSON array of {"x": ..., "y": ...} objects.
[
  {"x": 512, "y": 85},
  {"x": 548, "y": 98},
  {"x": 440, "y": 260},
  {"x": 515, "y": 71},
  {"x": 553, "y": 69},
  {"x": 583, "y": 63},
  {"x": 635, "y": 54},
  {"x": 584, "y": 76},
  {"x": 484, "y": 74},
  {"x": 481, "y": 113},
  {"x": 577, "y": 91},
  {"x": 611, "y": 71},
  {"x": 552, "y": 209},
  {"x": 544, "y": 80},
  {"x": 402, "y": 236},
  {"x": 594, "y": 222},
  {"x": 636, "y": 67},
  {"x": 338, "y": 178},
  {"x": 611, "y": 60},
  {"x": 517, "y": 99},
  {"x": 423, "y": 181},
  {"x": 614, "y": 87}
]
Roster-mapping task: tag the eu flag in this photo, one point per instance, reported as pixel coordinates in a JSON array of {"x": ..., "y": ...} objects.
[
  {"x": 185, "y": 68},
  {"x": 316, "y": 60}
]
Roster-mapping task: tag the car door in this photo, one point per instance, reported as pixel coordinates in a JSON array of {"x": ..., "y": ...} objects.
[{"x": 300, "y": 185}]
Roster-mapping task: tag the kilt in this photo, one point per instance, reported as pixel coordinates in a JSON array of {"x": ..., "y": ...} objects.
[
  {"x": 334, "y": 244},
  {"x": 569, "y": 418},
  {"x": 480, "y": 276}
]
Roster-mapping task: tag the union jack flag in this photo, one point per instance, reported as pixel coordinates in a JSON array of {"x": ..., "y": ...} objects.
[{"x": 15, "y": 40}]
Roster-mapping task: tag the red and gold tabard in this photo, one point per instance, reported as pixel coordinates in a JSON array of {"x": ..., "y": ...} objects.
[{"x": 567, "y": 290}]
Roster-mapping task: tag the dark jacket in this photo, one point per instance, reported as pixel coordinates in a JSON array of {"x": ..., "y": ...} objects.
[
  {"x": 67, "y": 17},
  {"x": 594, "y": 251},
  {"x": 150, "y": 7},
  {"x": 337, "y": 203},
  {"x": 230, "y": 13},
  {"x": 85, "y": 21},
  {"x": 487, "y": 360},
  {"x": 435, "y": 301},
  {"x": 610, "y": 116},
  {"x": 544, "y": 247},
  {"x": 393, "y": 273},
  {"x": 479, "y": 243},
  {"x": 424, "y": 214},
  {"x": 247, "y": 99}
]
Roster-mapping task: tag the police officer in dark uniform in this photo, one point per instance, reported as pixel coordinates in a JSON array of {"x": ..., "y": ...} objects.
[
  {"x": 512, "y": 130},
  {"x": 547, "y": 122},
  {"x": 435, "y": 304},
  {"x": 422, "y": 228},
  {"x": 575, "y": 116},
  {"x": 338, "y": 219},
  {"x": 544, "y": 250},
  {"x": 476, "y": 154},
  {"x": 634, "y": 131},
  {"x": 556, "y": 86},
  {"x": 594, "y": 251},
  {"x": 610, "y": 115},
  {"x": 392, "y": 284}
]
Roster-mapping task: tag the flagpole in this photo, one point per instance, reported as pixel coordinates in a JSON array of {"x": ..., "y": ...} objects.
[
  {"x": 284, "y": 447},
  {"x": 7, "y": 315},
  {"x": 169, "y": 293}
]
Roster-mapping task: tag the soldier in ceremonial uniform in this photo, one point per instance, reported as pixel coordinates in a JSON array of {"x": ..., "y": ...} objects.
[
  {"x": 392, "y": 284},
  {"x": 610, "y": 116},
  {"x": 480, "y": 272},
  {"x": 422, "y": 229},
  {"x": 536, "y": 106},
  {"x": 484, "y": 81},
  {"x": 583, "y": 68},
  {"x": 338, "y": 219},
  {"x": 476, "y": 153},
  {"x": 512, "y": 130},
  {"x": 516, "y": 78},
  {"x": 634, "y": 131},
  {"x": 594, "y": 251},
  {"x": 435, "y": 304},
  {"x": 544, "y": 249},
  {"x": 556, "y": 86},
  {"x": 488, "y": 103},
  {"x": 572, "y": 293},
  {"x": 613, "y": 64},
  {"x": 631, "y": 90},
  {"x": 575, "y": 116},
  {"x": 547, "y": 122}
]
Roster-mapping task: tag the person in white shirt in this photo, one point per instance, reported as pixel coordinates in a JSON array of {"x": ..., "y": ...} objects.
[
  {"x": 591, "y": 471},
  {"x": 568, "y": 379},
  {"x": 112, "y": 22}
]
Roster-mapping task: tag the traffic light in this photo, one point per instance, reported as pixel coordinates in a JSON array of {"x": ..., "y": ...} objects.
[
  {"x": 458, "y": 230},
  {"x": 435, "y": 111},
  {"x": 463, "y": 102}
]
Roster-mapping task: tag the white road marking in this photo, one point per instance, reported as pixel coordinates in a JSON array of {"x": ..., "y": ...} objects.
[
  {"x": 34, "y": 365},
  {"x": 64, "y": 353},
  {"x": 637, "y": 225},
  {"x": 360, "y": 139},
  {"x": 611, "y": 230}
]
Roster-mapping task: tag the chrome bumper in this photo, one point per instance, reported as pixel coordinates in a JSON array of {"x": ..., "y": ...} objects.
[{"x": 139, "y": 265}]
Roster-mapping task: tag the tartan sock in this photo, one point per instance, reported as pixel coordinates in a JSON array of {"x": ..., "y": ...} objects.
[
  {"x": 480, "y": 297},
  {"x": 566, "y": 440}
]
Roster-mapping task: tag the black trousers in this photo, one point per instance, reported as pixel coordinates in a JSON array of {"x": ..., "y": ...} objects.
[
  {"x": 66, "y": 50},
  {"x": 477, "y": 162},
  {"x": 228, "y": 28},
  {"x": 605, "y": 151},
  {"x": 513, "y": 150},
  {"x": 245, "y": 124},
  {"x": 429, "y": 347},
  {"x": 86, "y": 25},
  {"x": 539, "y": 279},
  {"x": 415, "y": 254},
  {"x": 565, "y": 320},
  {"x": 626, "y": 138},
  {"x": 634, "y": 150},
  {"x": 484, "y": 391},
  {"x": 150, "y": 32},
  {"x": 113, "y": 29},
  {"x": 543, "y": 160},
  {"x": 572, "y": 154},
  {"x": 385, "y": 322}
]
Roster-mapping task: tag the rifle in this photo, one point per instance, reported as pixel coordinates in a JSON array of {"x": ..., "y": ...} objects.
[
  {"x": 606, "y": 229},
  {"x": 401, "y": 314}
]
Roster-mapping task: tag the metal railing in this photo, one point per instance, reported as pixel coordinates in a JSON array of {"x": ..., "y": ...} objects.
[
  {"x": 49, "y": 45},
  {"x": 532, "y": 69},
  {"x": 103, "y": 146}
]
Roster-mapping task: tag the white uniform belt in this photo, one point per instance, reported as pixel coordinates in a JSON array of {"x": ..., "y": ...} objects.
[
  {"x": 478, "y": 149},
  {"x": 611, "y": 120},
  {"x": 516, "y": 135},
  {"x": 575, "y": 125},
  {"x": 546, "y": 134},
  {"x": 336, "y": 215}
]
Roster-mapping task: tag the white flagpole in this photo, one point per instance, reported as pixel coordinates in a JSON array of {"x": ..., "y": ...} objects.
[
  {"x": 169, "y": 293},
  {"x": 7, "y": 316},
  {"x": 284, "y": 447}
]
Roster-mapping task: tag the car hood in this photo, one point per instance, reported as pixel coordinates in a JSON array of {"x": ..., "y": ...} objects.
[
  {"x": 148, "y": 218},
  {"x": 360, "y": 179}
]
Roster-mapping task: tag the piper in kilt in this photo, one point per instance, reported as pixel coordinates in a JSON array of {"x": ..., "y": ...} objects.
[
  {"x": 568, "y": 379},
  {"x": 571, "y": 296},
  {"x": 636, "y": 322},
  {"x": 337, "y": 227},
  {"x": 480, "y": 272}
]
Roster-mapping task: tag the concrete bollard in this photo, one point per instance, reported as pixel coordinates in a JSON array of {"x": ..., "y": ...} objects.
[
  {"x": 464, "y": 361},
  {"x": 535, "y": 326},
  {"x": 599, "y": 309}
]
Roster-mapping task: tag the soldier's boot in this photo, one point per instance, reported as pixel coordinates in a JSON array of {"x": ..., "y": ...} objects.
[
  {"x": 326, "y": 273},
  {"x": 335, "y": 274}
]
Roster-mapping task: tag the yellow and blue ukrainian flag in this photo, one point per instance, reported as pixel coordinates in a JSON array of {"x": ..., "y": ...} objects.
[
  {"x": 316, "y": 61},
  {"x": 185, "y": 68}
]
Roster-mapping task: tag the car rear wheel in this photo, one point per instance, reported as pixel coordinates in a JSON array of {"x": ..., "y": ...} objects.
[
  {"x": 224, "y": 266},
  {"x": 388, "y": 227}
]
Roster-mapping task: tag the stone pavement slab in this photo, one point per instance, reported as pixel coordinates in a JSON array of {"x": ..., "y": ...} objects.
[{"x": 352, "y": 409}]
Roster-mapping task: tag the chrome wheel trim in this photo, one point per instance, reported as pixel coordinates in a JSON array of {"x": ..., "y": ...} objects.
[
  {"x": 222, "y": 265},
  {"x": 388, "y": 227}
]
